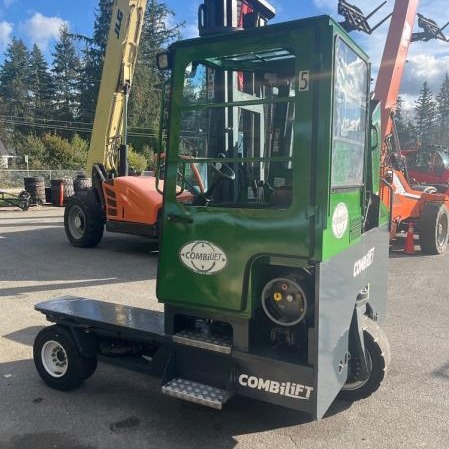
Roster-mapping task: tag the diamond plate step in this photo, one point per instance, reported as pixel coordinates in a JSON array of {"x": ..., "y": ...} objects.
[
  {"x": 195, "y": 392},
  {"x": 217, "y": 343}
]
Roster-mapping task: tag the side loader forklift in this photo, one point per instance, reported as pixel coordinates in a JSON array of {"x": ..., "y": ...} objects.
[{"x": 273, "y": 276}]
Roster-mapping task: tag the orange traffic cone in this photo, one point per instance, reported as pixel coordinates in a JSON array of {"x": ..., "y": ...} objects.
[{"x": 410, "y": 240}]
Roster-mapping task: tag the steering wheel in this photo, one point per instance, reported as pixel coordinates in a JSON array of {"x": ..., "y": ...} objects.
[{"x": 224, "y": 171}]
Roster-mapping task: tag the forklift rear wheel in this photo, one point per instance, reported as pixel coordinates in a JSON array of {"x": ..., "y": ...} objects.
[
  {"x": 378, "y": 357},
  {"x": 83, "y": 220},
  {"x": 58, "y": 360},
  {"x": 434, "y": 228}
]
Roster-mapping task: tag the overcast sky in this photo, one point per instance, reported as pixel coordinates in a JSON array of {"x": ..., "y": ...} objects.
[{"x": 38, "y": 21}]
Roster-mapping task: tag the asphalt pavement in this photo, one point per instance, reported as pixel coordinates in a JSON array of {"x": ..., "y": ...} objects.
[{"x": 117, "y": 408}]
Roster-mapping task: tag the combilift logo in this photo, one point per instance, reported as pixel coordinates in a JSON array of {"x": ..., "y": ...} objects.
[
  {"x": 288, "y": 389},
  {"x": 203, "y": 257}
]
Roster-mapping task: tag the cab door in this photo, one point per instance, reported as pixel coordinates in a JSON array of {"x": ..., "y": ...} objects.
[{"x": 241, "y": 125}]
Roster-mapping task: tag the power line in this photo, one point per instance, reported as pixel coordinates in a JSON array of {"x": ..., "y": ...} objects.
[{"x": 67, "y": 126}]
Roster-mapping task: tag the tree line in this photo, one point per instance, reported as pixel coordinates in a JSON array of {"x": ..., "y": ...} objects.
[
  {"x": 47, "y": 108},
  {"x": 429, "y": 122}
]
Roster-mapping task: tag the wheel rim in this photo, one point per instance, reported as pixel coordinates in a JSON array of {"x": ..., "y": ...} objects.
[
  {"x": 356, "y": 384},
  {"x": 77, "y": 222},
  {"x": 442, "y": 228},
  {"x": 54, "y": 359}
]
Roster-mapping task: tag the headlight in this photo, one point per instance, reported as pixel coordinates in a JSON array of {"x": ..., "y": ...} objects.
[{"x": 284, "y": 301}]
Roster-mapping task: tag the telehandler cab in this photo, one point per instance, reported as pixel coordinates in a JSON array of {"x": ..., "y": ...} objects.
[{"x": 273, "y": 278}]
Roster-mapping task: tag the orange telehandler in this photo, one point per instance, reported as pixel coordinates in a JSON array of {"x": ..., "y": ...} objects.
[{"x": 421, "y": 205}]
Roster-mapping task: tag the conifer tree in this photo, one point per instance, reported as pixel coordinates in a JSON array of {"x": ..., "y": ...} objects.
[
  {"x": 66, "y": 73},
  {"x": 93, "y": 56},
  {"x": 145, "y": 97},
  {"x": 443, "y": 112},
  {"x": 41, "y": 85},
  {"x": 425, "y": 115},
  {"x": 404, "y": 127},
  {"x": 14, "y": 81}
]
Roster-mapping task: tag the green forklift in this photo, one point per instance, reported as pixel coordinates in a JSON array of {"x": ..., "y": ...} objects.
[{"x": 273, "y": 273}]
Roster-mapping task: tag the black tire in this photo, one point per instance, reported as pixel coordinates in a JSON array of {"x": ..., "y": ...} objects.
[
  {"x": 69, "y": 190},
  {"x": 83, "y": 220},
  {"x": 58, "y": 360},
  {"x": 80, "y": 184},
  {"x": 32, "y": 179},
  {"x": 378, "y": 351},
  {"x": 434, "y": 228},
  {"x": 35, "y": 186}
]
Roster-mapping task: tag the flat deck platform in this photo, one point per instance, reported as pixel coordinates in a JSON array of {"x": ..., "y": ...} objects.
[{"x": 148, "y": 324}]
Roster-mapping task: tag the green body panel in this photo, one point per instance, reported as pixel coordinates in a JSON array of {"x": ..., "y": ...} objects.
[
  {"x": 374, "y": 161},
  {"x": 332, "y": 244},
  {"x": 298, "y": 235}
]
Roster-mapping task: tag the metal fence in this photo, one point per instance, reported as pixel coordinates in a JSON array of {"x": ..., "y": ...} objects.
[{"x": 13, "y": 179}]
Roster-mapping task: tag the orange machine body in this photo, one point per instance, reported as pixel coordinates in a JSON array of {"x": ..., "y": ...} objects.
[
  {"x": 135, "y": 199},
  {"x": 407, "y": 202}
]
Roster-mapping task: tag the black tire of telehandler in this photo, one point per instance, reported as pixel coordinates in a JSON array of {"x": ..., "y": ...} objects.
[
  {"x": 78, "y": 368},
  {"x": 434, "y": 228},
  {"x": 87, "y": 232},
  {"x": 379, "y": 356}
]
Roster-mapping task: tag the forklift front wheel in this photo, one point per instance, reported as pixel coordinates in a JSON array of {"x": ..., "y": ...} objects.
[
  {"x": 83, "y": 220},
  {"x": 378, "y": 357},
  {"x": 58, "y": 360}
]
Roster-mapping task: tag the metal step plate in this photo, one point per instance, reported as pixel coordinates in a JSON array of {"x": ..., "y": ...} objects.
[
  {"x": 217, "y": 343},
  {"x": 195, "y": 392}
]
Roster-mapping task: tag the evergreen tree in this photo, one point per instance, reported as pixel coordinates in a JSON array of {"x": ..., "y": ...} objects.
[
  {"x": 41, "y": 85},
  {"x": 404, "y": 127},
  {"x": 144, "y": 108},
  {"x": 399, "y": 121},
  {"x": 425, "y": 113},
  {"x": 443, "y": 112},
  {"x": 66, "y": 73},
  {"x": 14, "y": 81},
  {"x": 93, "y": 61}
]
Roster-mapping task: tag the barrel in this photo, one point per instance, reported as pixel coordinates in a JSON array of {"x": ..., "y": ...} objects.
[
  {"x": 35, "y": 186},
  {"x": 67, "y": 184}
]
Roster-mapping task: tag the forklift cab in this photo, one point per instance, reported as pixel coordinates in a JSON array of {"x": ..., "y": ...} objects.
[
  {"x": 277, "y": 121},
  {"x": 276, "y": 247}
]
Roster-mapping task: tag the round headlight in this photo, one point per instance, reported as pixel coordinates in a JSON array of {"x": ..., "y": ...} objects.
[{"x": 284, "y": 301}]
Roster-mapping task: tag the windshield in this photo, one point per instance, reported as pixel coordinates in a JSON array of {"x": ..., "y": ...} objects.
[
  {"x": 237, "y": 128},
  {"x": 350, "y": 109}
]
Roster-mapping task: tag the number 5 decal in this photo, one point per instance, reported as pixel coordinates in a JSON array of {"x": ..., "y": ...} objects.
[{"x": 304, "y": 80}]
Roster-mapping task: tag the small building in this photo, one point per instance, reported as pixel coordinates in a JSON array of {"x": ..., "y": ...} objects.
[{"x": 6, "y": 155}]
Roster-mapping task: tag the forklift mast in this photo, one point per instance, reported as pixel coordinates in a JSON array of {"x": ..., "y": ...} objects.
[
  {"x": 109, "y": 130},
  {"x": 215, "y": 16}
]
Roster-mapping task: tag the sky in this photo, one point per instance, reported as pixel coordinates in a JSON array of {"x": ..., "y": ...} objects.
[{"x": 38, "y": 22}]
